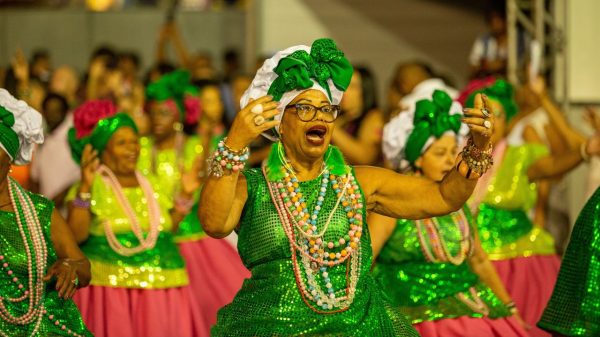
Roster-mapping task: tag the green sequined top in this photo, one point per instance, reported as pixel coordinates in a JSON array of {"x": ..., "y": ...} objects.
[
  {"x": 13, "y": 250},
  {"x": 270, "y": 304},
  {"x": 159, "y": 267},
  {"x": 504, "y": 228},
  {"x": 574, "y": 308},
  {"x": 428, "y": 291}
]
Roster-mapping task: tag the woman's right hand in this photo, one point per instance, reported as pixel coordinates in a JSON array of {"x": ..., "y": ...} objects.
[
  {"x": 89, "y": 166},
  {"x": 245, "y": 129}
]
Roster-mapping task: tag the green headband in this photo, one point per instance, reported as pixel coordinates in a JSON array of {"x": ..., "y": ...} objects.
[
  {"x": 175, "y": 86},
  {"x": 500, "y": 91},
  {"x": 8, "y": 137},
  {"x": 100, "y": 136},
  {"x": 325, "y": 62},
  {"x": 432, "y": 118}
]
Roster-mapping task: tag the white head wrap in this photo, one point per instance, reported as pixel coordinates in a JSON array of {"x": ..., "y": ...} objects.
[
  {"x": 265, "y": 76},
  {"x": 397, "y": 131},
  {"x": 28, "y": 126}
]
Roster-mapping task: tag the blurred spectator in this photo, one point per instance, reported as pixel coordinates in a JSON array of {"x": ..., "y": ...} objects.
[
  {"x": 53, "y": 170},
  {"x": 358, "y": 128},
  {"x": 65, "y": 82},
  {"x": 489, "y": 53},
  {"x": 103, "y": 78},
  {"x": 416, "y": 80},
  {"x": 231, "y": 64},
  {"x": 40, "y": 66}
]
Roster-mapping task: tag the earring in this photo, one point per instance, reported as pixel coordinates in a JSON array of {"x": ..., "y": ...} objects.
[{"x": 177, "y": 126}]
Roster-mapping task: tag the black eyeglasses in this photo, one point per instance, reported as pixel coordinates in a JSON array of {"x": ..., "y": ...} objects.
[{"x": 308, "y": 112}]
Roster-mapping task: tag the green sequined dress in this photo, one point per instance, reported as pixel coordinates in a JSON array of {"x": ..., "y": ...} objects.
[
  {"x": 428, "y": 291},
  {"x": 574, "y": 308},
  {"x": 270, "y": 304},
  {"x": 12, "y": 249}
]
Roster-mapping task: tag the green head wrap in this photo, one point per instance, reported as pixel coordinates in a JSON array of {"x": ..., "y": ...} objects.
[
  {"x": 432, "y": 118},
  {"x": 175, "y": 85},
  {"x": 8, "y": 137},
  {"x": 325, "y": 62},
  {"x": 500, "y": 91},
  {"x": 100, "y": 135}
]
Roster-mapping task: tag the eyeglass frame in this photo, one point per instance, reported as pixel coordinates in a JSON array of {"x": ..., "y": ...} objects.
[{"x": 316, "y": 109}]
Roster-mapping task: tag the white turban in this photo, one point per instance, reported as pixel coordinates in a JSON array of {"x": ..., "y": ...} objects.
[{"x": 27, "y": 126}]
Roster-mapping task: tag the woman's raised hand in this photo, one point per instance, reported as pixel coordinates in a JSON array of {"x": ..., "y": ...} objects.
[
  {"x": 480, "y": 120},
  {"x": 251, "y": 121},
  {"x": 89, "y": 165}
]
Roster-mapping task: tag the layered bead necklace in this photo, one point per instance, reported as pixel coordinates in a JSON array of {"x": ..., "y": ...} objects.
[
  {"x": 154, "y": 214},
  {"x": 305, "y": 238},
  {"x": 436, "y": 249},
  {"x": 27, "y": 222}
]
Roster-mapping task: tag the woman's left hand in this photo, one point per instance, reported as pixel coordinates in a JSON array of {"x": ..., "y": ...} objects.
[
  {"x": 65, "y": 272},
  {"x": 480, "y": 120}
]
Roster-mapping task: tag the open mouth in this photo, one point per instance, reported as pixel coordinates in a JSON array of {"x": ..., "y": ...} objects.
[{"x": 316, "y": 134}]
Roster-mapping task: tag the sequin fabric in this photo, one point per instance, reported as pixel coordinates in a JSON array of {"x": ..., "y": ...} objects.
[
  {"x": 427, "y": 291},
  {"x": 160, "y": 267},
  {"x": 574, "y": 308},
  {"x": 270, "y": 304},
  {"x": 504, "y": 228},
  {"x": 167, "y": 168},
  {"x": 13, "y": 250}
]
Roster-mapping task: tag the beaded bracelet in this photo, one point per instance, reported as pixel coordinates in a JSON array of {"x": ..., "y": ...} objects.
[
  {"x": 477, "y": 160},
  {"x": 224, "y": 158},
  {"x": 80, "y": 203}
]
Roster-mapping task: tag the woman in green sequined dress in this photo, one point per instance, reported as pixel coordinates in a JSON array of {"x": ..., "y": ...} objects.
[
  {"x": 522, "y": 252},
  {"x": 574, "y": 308},
  {"x": 434, "y": 270},
  {"x": 140, "y": 286},
  {"x": 40, "y": 263},
  {"x": 215, "y": 270},
  {"x": 310, "y": 269}
]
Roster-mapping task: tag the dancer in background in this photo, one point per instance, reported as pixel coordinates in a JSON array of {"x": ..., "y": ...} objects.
[
  {"x": 40, "y": 263},
  {"x": 434, "y": 270},
  {"x": 123, "y": 221}
]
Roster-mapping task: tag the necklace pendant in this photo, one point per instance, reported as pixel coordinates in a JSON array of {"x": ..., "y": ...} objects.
[{"x": 314, "y": 266}]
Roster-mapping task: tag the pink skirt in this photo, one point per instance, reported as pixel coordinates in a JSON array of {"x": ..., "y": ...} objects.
[
  {"x": 123, "y": 312},
  {"x": 216, "y": 274},
  {"x": 530, "y": 281},
  {"x": 465, "y": 326}
]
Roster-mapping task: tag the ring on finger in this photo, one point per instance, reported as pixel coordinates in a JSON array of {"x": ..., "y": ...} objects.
[
  {"x": 257, "y": 109},
  {"x": 75, "y": 281},
  {"x": 487, "y": 124},
  {"x": 259, "y": 120},
  {"x": 485, "y": 112}
]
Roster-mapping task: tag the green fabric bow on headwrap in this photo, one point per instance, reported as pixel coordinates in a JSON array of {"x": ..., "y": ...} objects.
[
  {"x": 325, "y": 61},
  {"x": 500, "y": 91},
  {"x": 8, "y": 137},
  {"x": 432, "y": 118},
  {"x": 175, "y": 85},
  {"x": 100, "y": 136}
]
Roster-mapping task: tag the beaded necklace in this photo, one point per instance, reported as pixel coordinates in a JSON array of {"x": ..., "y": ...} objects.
[
  {"x": 37, "y": 257},
  {"x": 441, "y": 253},
  {"x": 153, "y": 213},
  {"x": 306, "y": 240}
]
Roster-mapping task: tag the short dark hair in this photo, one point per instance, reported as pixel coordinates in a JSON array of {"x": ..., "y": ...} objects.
[
  {"x": 39, "y": 54},
  {"x": 133, "y": 56},
  {"x": 54, "y": 96}
]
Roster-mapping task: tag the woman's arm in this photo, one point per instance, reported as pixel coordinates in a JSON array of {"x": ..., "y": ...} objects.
[
  {"x": 72, "y": 264},
  {"x": 364, "y": 149},
  {"x": 79, "y": 218},
  {"x": 556, "y": 164},
  {"x": 483, "y": 267},
  {"x": 381, "y": 228},
  {"x": 408, "y": 197},
  {"x": 223, "y": 198}
]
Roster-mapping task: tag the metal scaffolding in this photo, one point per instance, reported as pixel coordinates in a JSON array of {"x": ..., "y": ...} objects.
[{"x": 538, "y": 19}]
